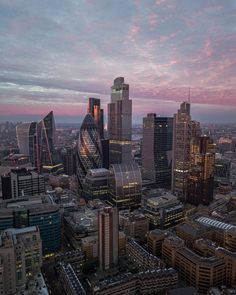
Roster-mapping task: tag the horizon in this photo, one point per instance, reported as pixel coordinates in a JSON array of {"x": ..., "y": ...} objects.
[{"x": 57, "y": 55}]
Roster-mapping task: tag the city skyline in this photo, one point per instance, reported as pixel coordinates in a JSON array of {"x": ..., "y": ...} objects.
[{"x": 57, "y": 56}]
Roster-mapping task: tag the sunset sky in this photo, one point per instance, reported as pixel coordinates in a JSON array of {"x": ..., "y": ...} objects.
[{"x": 54, "y": 54}]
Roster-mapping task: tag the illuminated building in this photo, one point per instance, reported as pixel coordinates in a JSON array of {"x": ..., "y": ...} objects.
[
  {"x": 96, "y": 184},
  {"x": 89, "y": 153},
  {"x": 20, "y": 258},
  {"x": 108, "y": 237},
  {"x": 125, "y": 184},
  {"x": 201, "y": 175},
  {"x": 120, "y": 122},
  {"x": 162, "y": 211},
  {"x": 26, "y": 134},
  {"x": 33, "y": 212},
  {"x": 94, "y": 108},
  {"x": 157, "y": 150},
  {"x": 182, "y": 133}
]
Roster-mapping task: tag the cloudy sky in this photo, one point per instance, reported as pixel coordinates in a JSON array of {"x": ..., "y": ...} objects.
[{"x": 54, "y": 54}]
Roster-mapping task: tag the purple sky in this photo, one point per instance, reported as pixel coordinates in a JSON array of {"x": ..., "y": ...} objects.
[{"x": 57, "y": 53}]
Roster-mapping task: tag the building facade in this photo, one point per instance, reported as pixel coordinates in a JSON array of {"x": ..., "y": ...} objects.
[
  {"x": 89, "y": 153},
  {"x": 120, "y": 122},
  {"x": 107, "y": 237},
  {"x": 94, "y": 108},
  {"x": 157, "y": 150},
  {"x": 125, "y": 184}
]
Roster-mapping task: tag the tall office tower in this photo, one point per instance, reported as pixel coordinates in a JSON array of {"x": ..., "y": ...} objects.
[
  {"x": 157, "y": 150},
  {"x": 89, "y": 153},
  {"x": 107, "y": 237},
  {"x": 181, "y": 157},
  {"x": 94, "y": 108},
  {"x": 125, "y": 185},
  {"x": 20, "y": 258},
  {"x": 26, "y": 134},
  {"x": 201, "y": 176},
  {"x": 120, "y": 122},
  {"x": 68, "y": 159}
]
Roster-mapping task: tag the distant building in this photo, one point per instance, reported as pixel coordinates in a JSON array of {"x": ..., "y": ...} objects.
[
  {"x": 162, "y": 211},
  {"x": 68, "y": 155},
  {"x": 96, "y": 184},
  {"x": 107, "y": 237},
  {"x": 125, "y": 183},
  {"x": 120, "y": 122},
  {"x": 20, "y": 258},
  {"x": 89, "y": 153},
  {"x": 157, "y": 150},
  {"x": 94, "y": 108},
  {"x": 222, "y": 171},
  {"x": 21, "y": 183}
]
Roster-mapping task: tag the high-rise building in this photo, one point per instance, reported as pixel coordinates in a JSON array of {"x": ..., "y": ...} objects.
[
  {"x": 68, "y": 156},
  {"x": 26, "y": 134},
  {"x": 120, "y": 122},
  {"x": 157, "y": 150},
  {"x": 20, "y": 258},
  {"x": 94, "y": 108},
  {"x": 181, "y": 159},
  {"x": 108, "y": 237},
  {"x": 125, "y": 184},
  {"x": 89, "y": 154},
  {"x": 201, "y": 176}
]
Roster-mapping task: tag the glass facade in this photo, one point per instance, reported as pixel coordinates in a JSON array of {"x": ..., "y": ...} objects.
[{"x": 89, "y": 155}]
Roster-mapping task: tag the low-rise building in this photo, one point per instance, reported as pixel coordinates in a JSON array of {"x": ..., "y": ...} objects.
[{"x": 155, "y": 239}]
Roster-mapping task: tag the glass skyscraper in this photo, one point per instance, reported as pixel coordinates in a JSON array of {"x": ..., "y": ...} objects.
[
  {"x": 120, "y": 122},
  {"x": 157, "y": 150},
  {"x": 94, "y": 108},
  {"x": 89, "y": 154}
]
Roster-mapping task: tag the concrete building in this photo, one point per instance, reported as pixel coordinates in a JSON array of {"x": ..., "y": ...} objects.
[
  {"x": 156, "y": 281},
  {"x": 120, "y": 123},
  {"x": 125, "y": 184},
  {"x": 162, "y": 211},
  {"x": 157, "y": 150},
  {"x": 134, "y": 224},
  {"x": 140, "y": 257},
  {"x": 107, "y": 237},
  {"x": 89, "y": 246},
  {"x": 155, "y": 239},
  {"x": 20, "y": 256}
]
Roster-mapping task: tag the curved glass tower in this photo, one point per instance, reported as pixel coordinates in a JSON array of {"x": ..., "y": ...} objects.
[{"x": 89, "y": 155}]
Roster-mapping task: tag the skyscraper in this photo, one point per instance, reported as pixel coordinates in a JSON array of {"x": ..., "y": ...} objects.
[
  {"x": 26, "y": 134},
  {"x": 94, "y": 108},
  {"x": 107, "y": 237},
  {"x": 120, "y": 122},
  {"x": 182, "y": 133},
  {"x": 89, "y": 154},
  {"x": 201, "y": 176},
  {"x": 157, "y": 150}
]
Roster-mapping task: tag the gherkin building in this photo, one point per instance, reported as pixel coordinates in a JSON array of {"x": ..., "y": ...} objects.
[{"x": 89, "y": 153}]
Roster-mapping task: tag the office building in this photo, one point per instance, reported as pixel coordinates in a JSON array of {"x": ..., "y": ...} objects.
[
  {"x": 20, "y": 258},
  {"x": 201, "y": 174},
  {"x": 155, "y": 239},
  {"x": 68, "y": 156},
  {"x": 162, "y": 211},
  {"x": 96, "y": 184},
  {"x": 22, "y": 182},
  {"x": 222, "y": 170},
  {"x": 125, "y": 184},
  {"x": 181, "y": 157},
  {"x": 89, "y": 153},
  {"x": 157, "y": 150},
  {"x": 120, "y": 122},
  {"x": 34, "y": 212},
  {"x": 107, "y": 237},
  {"x": 105, "y": 153},
  {"x": 134, "y": 224},
  {"x": 26, "y": 134},
  {"x": 94, "y": 108}
]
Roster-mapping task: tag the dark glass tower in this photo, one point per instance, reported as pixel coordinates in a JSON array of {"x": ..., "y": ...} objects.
[
  {"x": 157, "y": 150},
  {"x": 94, "y": 108},
  {"x": 89, "y": 155}
]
